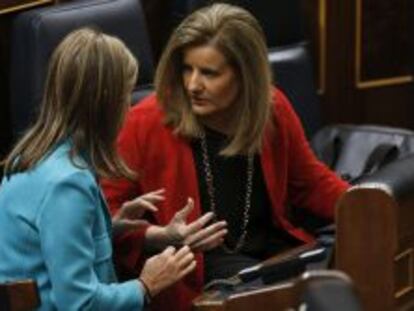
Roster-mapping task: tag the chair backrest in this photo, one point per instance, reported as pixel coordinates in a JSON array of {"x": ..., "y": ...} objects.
[
  {"x": 19, "y": 295},
  {"x": 36, "y": 33},
  {"x": 292, "y": 70},
  {"x": 327, "y": 290},
  {"x": 141, "y": 92},
  {"x": 357, "y": 151}
]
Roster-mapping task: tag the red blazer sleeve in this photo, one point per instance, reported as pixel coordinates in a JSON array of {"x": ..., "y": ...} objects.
[
  {"x": 127, "y": 246},
  {"x": 311, "y": 184}
]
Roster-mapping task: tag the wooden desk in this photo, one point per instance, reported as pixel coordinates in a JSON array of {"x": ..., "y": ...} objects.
[
  {"x": 19, "y": 295},
  {"x": 270, "y": 298},
  {"x": 375, "y": 245},
  {"x": 281, "y": 296},
  {"x": 289, "y": 295}
]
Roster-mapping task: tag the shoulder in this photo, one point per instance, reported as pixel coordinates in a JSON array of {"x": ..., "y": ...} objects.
[
  {"x": 40, "y": 181},
  {"x": 52, "y": 184},
  {"x": 144, "y": 120},
  {"x": 146, "y": 110},
  {"x": 58, "y": 167},
  {"x": 280, "y": 101},
  {"x": 283, "y": 108},
  {"x": 66, "y": 184}
]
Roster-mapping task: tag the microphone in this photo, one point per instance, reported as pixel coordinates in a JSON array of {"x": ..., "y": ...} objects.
[{"x": 281, "y": 269}]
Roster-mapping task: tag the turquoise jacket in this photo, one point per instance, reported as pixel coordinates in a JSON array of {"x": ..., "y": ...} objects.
[{"x": 55, "y": 228}]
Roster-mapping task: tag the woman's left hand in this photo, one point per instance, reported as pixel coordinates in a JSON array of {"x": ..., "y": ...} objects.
[
  {"x": 128, "y": 217},
  {"x": 200, "y": 234}
]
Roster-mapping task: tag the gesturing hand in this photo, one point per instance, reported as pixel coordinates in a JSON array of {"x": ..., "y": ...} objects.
[
  {"x": 162, "y": 270},
  {"x": 128, "y": 216},
  {"x": 195, "y": 234}
]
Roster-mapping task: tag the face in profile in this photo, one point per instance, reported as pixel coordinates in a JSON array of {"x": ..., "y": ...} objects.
[{"x": 210, "y": 82}]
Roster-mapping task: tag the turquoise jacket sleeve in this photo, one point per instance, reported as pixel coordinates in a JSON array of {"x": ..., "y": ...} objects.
[{"x": 73, "y": 255}]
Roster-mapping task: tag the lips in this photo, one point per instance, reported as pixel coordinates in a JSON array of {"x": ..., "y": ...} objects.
[{"x": 199, "y": 100}]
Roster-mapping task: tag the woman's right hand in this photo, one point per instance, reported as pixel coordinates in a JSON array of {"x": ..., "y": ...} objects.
[
  {"x": 163, "y": 270},
  {"x": 129, "y": 216}
]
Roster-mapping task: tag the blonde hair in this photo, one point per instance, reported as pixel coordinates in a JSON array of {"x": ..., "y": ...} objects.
[
  {"x": 87, "y": 93},
  {"x": 239, "y": 37}
]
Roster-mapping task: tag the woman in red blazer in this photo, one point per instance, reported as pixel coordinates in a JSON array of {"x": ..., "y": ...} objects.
[{"x": 218, "y": 140}]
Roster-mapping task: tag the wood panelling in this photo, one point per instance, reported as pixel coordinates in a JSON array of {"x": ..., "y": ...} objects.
[
  {"x": 321, "y": 43},
  {"x": 336, "y": 100},
  {"x": 404, "y": 273},
  {"x": 382, "y": 43},
  {"x": 5, "y": 133},
  {"x": 382, "y": 269},
  {"x": 7, "y": 6},
  {"x": 388, "y": 105},
  {"x": 316, "y": 30},
  {"x": 369, "y": 59}
]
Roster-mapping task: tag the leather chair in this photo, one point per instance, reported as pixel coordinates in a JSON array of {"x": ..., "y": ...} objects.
[
  {"x": 352, "y": 151},
  {"x": 327, "y": 290},
  {"x": 293, "y": 73},
  {"x": 19, "y": 296},
  {"x": 37, "y": 32},
  {"x": 357, "y": 151},
  {"x": 140, "y": 92}
]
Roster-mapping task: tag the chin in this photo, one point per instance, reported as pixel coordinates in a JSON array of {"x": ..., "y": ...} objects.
[{"x": 202, "y": 111}]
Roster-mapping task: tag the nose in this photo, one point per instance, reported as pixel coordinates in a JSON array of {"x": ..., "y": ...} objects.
[{"x": 194, "y": 82}]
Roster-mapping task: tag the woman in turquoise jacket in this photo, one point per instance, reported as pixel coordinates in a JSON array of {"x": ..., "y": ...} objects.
[{"x": 54, "y": 223}]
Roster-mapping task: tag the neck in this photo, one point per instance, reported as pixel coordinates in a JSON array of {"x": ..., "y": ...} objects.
[{"x": 221, "y": 123}]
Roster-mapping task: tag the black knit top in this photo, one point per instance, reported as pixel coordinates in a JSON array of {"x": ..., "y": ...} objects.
[{"x": 230, "y": 177}]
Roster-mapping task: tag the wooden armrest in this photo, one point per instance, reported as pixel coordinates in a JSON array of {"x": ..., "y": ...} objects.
[{"x": 19, "y": 295}]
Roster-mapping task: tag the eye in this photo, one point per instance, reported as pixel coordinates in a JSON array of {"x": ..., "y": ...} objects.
[{"x": 210, "y": 72}]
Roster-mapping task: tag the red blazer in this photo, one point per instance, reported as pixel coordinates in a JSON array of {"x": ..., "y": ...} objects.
[{"x": 292, "y": 175}]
